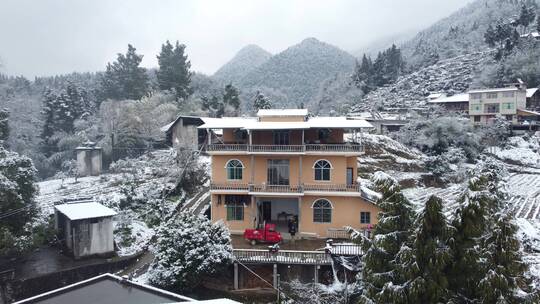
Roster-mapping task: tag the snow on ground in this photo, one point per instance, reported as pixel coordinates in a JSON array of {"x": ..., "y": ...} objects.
[
  {"x": 520, "y": 151},
  {"x": 142, "y": 175}
]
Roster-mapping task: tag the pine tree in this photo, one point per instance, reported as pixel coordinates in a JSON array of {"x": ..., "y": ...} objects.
[
  {"x": 173, "y": 70},
  {"x": 4, "y": 126},
  {"x": 261, "y": 102},
  {"x": 382, "y": 276},
  {"x": 504, "y": 264},
  {"x": 362, "y": 76},
  {"x": 471, "y": 223},
  {"x": 124, "y": 78},
  {"x": 430, "y": 256}
]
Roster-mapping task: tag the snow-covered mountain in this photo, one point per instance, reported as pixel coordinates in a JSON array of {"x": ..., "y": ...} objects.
[
  {"x": 293, "y": 76},
  {"x": 248, "y": 58}
]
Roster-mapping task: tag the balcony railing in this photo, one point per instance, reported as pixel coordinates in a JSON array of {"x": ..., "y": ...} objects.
[
  {"x": 286, "y": 188},
  {"x": 275, "y": 188},
  {"x": 276, "y": 148},
  {"x": 346, "y": 147},
  {"x": 334, "y": 148},
  {"x": 332, "y": 187}
]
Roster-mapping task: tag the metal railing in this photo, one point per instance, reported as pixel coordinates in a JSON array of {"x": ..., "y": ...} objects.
[
  {"x": 332, "y": 187},
  {"x": 262, "y": 256},
  {"x": 345, "y": 147},
  {"x": 315, "y": 257}
]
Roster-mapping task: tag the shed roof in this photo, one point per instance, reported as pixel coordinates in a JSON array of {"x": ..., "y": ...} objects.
[
  {"x": 86, "y": 210},
  {"x": 187, "y": 119},
  {"x": 531, "y": 92},
  {"x": 282, "y": 112},
  {"x": 464, "y": 97}
]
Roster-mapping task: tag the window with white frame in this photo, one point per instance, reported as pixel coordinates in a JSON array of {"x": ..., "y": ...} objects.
[
  {"x": 491, "y": 95},
  {"x": 322, "y": 211},
  {"x": 322, "y": 170},
  {"x": 234, "y": 169},
  {"x": 365, "y": 217},
  {"x": 508, "y": 94},
  {"x": 476, "y": 95}
]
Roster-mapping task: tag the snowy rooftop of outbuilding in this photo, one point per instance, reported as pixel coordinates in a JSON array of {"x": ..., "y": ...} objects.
[
  {"x": 454, "y": 98},
  {"x": 84, "y": 210},
  {"x": 531, "y": 91},
  {"x": 282, "y": 112}
]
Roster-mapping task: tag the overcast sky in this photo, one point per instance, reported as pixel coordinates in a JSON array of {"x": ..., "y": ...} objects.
[{"x": 47, "y": 37}]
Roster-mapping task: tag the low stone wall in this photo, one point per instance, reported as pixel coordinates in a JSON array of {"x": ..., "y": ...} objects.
[{"x": 29, "y": 287}]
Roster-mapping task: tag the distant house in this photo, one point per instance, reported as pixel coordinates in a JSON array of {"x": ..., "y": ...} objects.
[
  {"x": 533, "y": 99},
  {"x": 183, "y": 132},
  {"x": 86, "y": 228},
  {"x": 433, "y": 96},
  {"x": 454, "y": 103},
  {"x": 533, "y": 35},
  {"x": 383, "y": 123},
  {"x": 108, "y": 288}
]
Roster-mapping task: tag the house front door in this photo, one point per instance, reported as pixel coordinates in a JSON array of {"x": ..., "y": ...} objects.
[{"x": 267, "y": 211}]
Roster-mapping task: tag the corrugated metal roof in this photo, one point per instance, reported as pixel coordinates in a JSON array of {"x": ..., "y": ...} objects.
[{"x": 88, "y": 210}]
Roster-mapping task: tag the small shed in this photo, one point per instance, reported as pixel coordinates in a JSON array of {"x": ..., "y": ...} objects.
[
  {"x": 89, "y": 159},
  {"x": 183, "y": 132},
  {"x": 85, "y": 227}
]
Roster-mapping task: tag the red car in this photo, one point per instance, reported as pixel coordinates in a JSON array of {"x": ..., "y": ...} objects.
[{"x": 268, "y": 235}]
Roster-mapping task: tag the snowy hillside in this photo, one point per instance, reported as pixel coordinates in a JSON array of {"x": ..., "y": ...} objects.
[
  {"x": 451, "y": 76},
  {"x": 247, "y": 59}
]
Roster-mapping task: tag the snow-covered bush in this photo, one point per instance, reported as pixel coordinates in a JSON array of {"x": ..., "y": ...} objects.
[
  {"x": 300, "y": 293},
  {"x": 188, "y": 248},
  {"x": 448, "y": 165}
]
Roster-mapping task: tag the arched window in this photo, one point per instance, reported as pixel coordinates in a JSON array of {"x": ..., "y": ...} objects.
[
  {"x": 322, "y": 170},
  {"x": 234, "y": 169},
  {"x": 322, "y": 211}
]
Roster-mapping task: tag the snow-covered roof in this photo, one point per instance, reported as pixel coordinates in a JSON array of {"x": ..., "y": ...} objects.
[
  {"x": 529, "y": 112},
  {"x": 531, "y": 91},
  {"x": 86, "y": 210},
  {"x": 338, "y": 122},
  {"x": 494, "y": 90},
  {"x": 533, "y": 34},
  {"x": 227, "y": 122},
  {"x": 454, "y": 98},
  {"x": 314, "y": 122},
  {"x": 282, "y": 112},
  {"x": 435, "y": 95}
]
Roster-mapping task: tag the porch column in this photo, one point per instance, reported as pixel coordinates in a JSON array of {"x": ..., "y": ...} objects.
[
  {"x": 300, "y": 170},
  {"x": 235, "y": 276},
  {"x": 275, "y": 283},
  {"x": 209, "y": 136},
  {"x": 252, "y": 169},
  {"x": 299, "y": 215},
  {"x": 254, "y": 206},
  {"x": 316, "y": 274},
  {"x": 250, "y": 137}
]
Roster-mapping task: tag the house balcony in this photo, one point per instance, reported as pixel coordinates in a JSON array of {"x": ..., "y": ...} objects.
[
  {"x": 288, "y": 190},
  {"x": 306, "y": 149}
]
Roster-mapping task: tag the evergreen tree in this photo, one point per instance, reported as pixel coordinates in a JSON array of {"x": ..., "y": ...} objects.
[
  {"x": 231, "y": 97},
  {"x": 124, "y": 78},
  {"x": 261, "y": 102},
  {"x": 17, "y": 193},
  {"x": 430, "y": 256},
  {"x": 538, "y": 22},
  {"x": 526, "y": 17},
  {"x": 4, "y": 126},
  {"x": 504, "y": 264},
  {"x": 381, "y": 273},
  {"x": 388, "y": 66},
  {"x": 173, "y": 70},
  {"x": 188, "y": 248},
  {"x": 362, "y": 76},
  {"x": 471, "y": 223}
]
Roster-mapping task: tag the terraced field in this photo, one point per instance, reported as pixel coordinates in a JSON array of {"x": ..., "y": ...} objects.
[{"x": 525, "y": 191}]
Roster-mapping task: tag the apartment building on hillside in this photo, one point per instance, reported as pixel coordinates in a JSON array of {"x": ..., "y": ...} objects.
[{"x": 282, "y": 165}]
